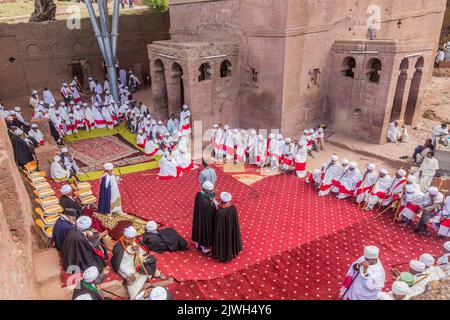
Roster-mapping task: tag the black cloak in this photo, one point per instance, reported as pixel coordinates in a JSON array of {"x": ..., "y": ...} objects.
[
  {"x": 164, "y": 240},
  {"x": 78, "y": 251},
  {"x": 203, "y": 222},
  {"x": 54, "y": 132},
  {"x": 116, "y": 260},
  {"x": 227, "y": 237},
  {"x": 67, "y": 202},
  {"x": 22, "y": 151}
]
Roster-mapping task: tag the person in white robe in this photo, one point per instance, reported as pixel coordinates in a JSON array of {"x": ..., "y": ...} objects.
[
  {"x": 106, "y": 86},
  {"x": 341, "y": 171},
  {"x": 107, "y": 98},
  {"x": 300, "y": 159},
  {"x": 183, "y": 141},
  {"x": 108, "y": 118},
  {"x": 288, "y": 155},
  {"x": 439, "y": 132},
  {"x": 109, "y": 190},
  {"x": 48, "y": 97},
  {"x": 133, "y": 81},
  {"x": 218, "y": 137},
  {"x": 185, "y": 121},
  {"x": 68, "y": 161},
  {"x": 435, "y": 272},
  {"x": 89, "y": 121},
  {"x": 168, "y": 168},
  {"x": 172, "y": 124},
  {"x": 34, "y": 99},
  {"x": 427, "y": 171},
  {"x": 36, "y": 134},
  {"x": 123, "y": 76},
  {"x": 380, "y": 189},
  {"x": 441, "y": 222},
  {"x": 100, "y": 122},
  {"x": 141, "y": 138},
  {"x": 251, "y": 143},
  {"x": 79, "y": 116},
  {"x": 152, "y": 148},
  {"x": 396, "y": 189},
  {"x": 91, "y": 84},
  {"x": 261, "y": 151},
  {"x": 400, "y": 291},
  {"x": 314, "y": 178},
  {"x": 443, "y": 261},
  {"x": 349, "y": 181},
  {"x": 365, "y": 278},
  {"x": 241, "y": 138},
  {"x": 432, "y": 203},
  {"x": 421, "y": 277},
  {"x": 228, "y": 146},
  {"x": 98, "y": 92},
  {"x": 65, "y": 92},
  {"x": 366, "y": 184},
  {"x": 57, "y": 171},
  {"x": 63, "y": 111},
  {"x": 18, "y": 115},
  {"x": 330, "y": 174},
  {"x": 123, "y": 112},
  {"x": 183, "y": 158},
  {"x": 74, "y": 93},
  {"x": 143, "y": 109},
  {"x": 394, "y": 132},
  {"x": 410, "y": 204}
]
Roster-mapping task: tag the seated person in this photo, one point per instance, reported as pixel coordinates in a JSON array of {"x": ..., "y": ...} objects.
[
  {"x": 162, "y": 240},
  {"x": 394, "y": 134},
  {"x": 156, "y": 293},
  {"x": 82, "y": 249},
  {"x": 67, "y": 200},
  {"x": 69, "y": 162},
  {"x": 421, "y": 151},
  {"x": 168, "y": 168},
  {"x": 63, "y": 225},
  {"x": 86, "y": 289},
  {"x": 36, "y": 134},
  {"x": 57, "y": 171},
  {"x": 133, "y": 263}
]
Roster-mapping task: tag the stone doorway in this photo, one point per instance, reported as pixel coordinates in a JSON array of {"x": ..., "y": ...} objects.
[
  {"x": 414, "y": 92},
  {"x": 159, "y": 87},
  {"x": 178, "y": 87},
  {"x": 400, "y": 90}
]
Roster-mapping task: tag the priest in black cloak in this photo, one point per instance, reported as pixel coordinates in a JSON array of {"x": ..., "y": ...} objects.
[
  {"x": 68, "y": 201},
  {"x": 159, "y": 241},
  {"x": 23, "y": 153},
  {"x": 83, "y": 249},
  {"x": 204, "y": 217},
  {"x": 227, "y": 235}
]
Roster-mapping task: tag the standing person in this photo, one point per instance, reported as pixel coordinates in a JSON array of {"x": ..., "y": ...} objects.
[
  {"x": 34, "y": 99},
  {"x": 227, "y": 235},
  {"x": 427, "y": 171},
  {"x": 48, "y": 97},
  {"x": 301, "y": 157},
  {"x": 204, "y": 218},
  {"x": 109, "y": 200},
  {"x": 63, "y": 225},
  {"x": 172, "y": 124},
  {"x": 122, "y": 72},
  {"x": 185, "y": 121},
  {"x": 65, "y": 93},
  {"x": 365, "y": 278},
  {"x": 208, "y": 174}
]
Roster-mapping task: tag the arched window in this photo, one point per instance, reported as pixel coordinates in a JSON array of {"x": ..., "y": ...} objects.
[
  {"x": 225, "y": 69},
  {"x": 204, "y": 72},
  {"x": 374, "y": 68},
  {"x": 404, "y": 65},
  {"x": 420, "y": 62},
  {"x": 349, "y": 64}
]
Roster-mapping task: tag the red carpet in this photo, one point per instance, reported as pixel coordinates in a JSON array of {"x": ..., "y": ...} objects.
[{"x": 296, "y": 245}]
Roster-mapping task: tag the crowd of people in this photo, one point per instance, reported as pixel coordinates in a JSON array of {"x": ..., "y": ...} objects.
[{"x": 366, "y": 277}]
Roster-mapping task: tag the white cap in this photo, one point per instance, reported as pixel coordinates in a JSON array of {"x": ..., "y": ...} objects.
[
  {"x": 371, "y": 166},
  {"x": 185, "y": 106},
  {"x": 17, "y": 109},
  {"x": 352, "y": 165},
  {"x": 253, "y": 132},
  {"x": 160, "y": 122},
  {"x": 384, "y": 171},
  {"x": 85, "y": 296},
  {"x": 417, "y": 266},
  {"x": 130, "y": 232},
  {"x": 400, "y": 288},
  {"x": 279, "y": 137},
  {"x": 41, "y": 103},
  {"x": 158, "y": 293},
  {"x": 208, "y": 186},
  {"x": 344, "y": 161},
  {"x": 84, "y": 223},
  {"x": 215, "y": 126},
  {"x": 288, "y": 140},
  {"x": 320, "y": 130},
  {"x": 90, "y": 274},
  {"x": 34, "y": 125},
  {"x": 411, "y": 179},
  {"x": 34, "y": 92},
  {"x": 401, "y": 173},
  {"x": 151, "y": 226},
  {"x": 433, "y": 191},
  {"x": 447, "y": 246},
  {"x": 108, "y": 166},
  {"x": 334, "y": 158},
  {"x": 140, "y": 131},
  {"x": 427, "y": 259},
  {"x": 64, "y": 149},
  {"x": 65, "y": 189},
  {"x": 311, "y": 131},
  {"x": 226, "y": 127},
  {"x": 149, "y": 116},
  {"x": 371, "y": 252},
  {"x": 85, "y": 104},
  {"x": 225, "y": 197}
]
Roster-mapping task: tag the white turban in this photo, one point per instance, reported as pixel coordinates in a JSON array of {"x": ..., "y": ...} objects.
[
  {"x": 384, "y": 171},
  {"x": 427, "y": 259},
  {"x": 65, "y": 189},
  {"x": 151, "y": 226},
  {"x": 417, "y": 266},
  {"x": 226, "y": 127},
  {"x": 334, "y": 158},
  {"x": 208, "y": 186},
  {"x": 401, "y": 173},
  {"x": 140, "y": 131},
  {"x": 371, "y": 166},
  {"x": 352, "y": 165},
  {"x": 158, "y": 293},
  {"x": 185, "y": 107},
  {"x": 344, "y": 161},
  {"x": 149, "y": 116},
  {"x": 160, "y": 122},
  {"x": 130, "y": 232},
  {"x": 447, "y": 246},
  {"x": 17, "y": 109},
  {"x": 411, "y": 179},
  {"x": 433, "y": 191},
  {"x": 64, "y": 149},
  {"x": 311, "y": 130},
  {"x": 85, "y": 296},
  {"x": 108, "y": 166},
  {"x": 279, "y": 137},
  {"x": 371, "y": 252},
  {"x": 225, "y": 197},
  {"x": 90, "y": 274},
  {"x": 400, "y": 288},
  {"x": 84, "y": 223},
  {"x": 56, "y": 158},
  {"x": 34, "y": 92},
  {"x": 215, "y": 126},
  {"x": 288, "y": 140}
]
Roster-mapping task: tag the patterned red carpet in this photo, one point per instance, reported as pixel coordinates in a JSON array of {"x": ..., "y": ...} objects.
[{"x": 296, "y": 245}]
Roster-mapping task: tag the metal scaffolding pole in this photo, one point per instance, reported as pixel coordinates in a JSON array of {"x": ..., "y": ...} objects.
[
  {"x": 95, "y": 25},
  {"x": 115, "y": 29},
  {"x": 112, "y": 75}
]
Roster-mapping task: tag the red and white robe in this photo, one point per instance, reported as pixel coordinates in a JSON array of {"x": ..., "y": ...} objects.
[
  {"x": 365, "y": 186},
  {"x": 379, "y": 191},
  {"x": 169, "y": 169},
  {"x": 185, "y": 122},
  {"x": 395, "y": 192},
  {"x": 151, "y": 148},
  {"x": 329, "y": 178},
  {"x": 301, "y": 157}
]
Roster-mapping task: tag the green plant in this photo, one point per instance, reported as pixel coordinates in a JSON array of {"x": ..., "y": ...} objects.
[{"x": 157, "y": 4}]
